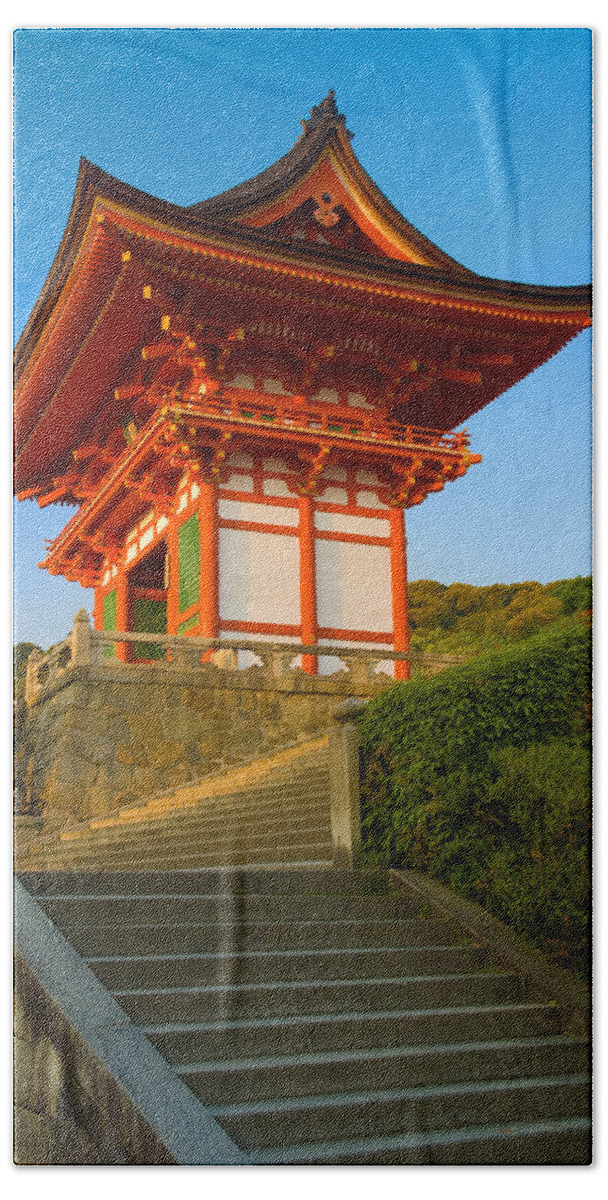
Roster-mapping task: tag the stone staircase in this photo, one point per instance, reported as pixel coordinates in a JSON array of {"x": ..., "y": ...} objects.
[
  {"x": 322, "y": 1016},
  {"x": 272, "y": 811}
]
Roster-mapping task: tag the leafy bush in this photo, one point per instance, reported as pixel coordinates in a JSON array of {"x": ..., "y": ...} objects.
[
  {"x": 480, "y": 776},
  {"x": 575, "y": 594}
]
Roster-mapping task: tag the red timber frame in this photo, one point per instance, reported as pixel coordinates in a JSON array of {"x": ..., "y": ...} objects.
[{"x": 180, "y": 462}]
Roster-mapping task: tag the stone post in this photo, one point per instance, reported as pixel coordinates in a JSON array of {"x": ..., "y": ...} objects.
[
  {"x": 359, "y": 671},
  {"x": 226, "y": 660},
  {"x": 345, "y": 802},
  {"x": 32, "y": 687},
  {"x": 280, "y": 662},
  {"x": 81, "y": 639}
]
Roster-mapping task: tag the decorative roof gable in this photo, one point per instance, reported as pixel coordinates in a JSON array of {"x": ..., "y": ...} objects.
[
  {"x": 309, "y": 251},
  {"x": 321, "y": 180}
]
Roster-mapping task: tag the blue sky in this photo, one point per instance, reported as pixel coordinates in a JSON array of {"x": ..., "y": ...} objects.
[{"x": 480, "y": 137}]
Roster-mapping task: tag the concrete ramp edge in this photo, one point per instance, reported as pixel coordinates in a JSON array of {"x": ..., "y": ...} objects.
[{"x": 184, "y": 1133}]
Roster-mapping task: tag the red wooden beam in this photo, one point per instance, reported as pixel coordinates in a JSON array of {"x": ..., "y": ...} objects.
[
  {"x": 209, "y": 559},
  {"x": 308, "y": 582}
]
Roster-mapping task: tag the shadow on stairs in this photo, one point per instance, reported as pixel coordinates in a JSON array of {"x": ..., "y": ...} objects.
[{"x": 310, "y": 1015}]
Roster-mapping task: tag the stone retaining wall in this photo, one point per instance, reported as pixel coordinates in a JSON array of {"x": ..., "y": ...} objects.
[
  {"x": 68, "y": 1110},
  {"x": 105, "y": 739},
  {"x": 96, "y": 734}
]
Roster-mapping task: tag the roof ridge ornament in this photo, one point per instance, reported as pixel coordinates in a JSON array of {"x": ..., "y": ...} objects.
[{"x": 326, "y": 112}]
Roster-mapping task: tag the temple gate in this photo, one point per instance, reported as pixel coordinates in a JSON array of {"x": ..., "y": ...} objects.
[{"x": 243, "y": 397}]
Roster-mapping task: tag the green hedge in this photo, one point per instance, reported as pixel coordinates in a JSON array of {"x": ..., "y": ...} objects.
[{"x": 481, "y": 777}]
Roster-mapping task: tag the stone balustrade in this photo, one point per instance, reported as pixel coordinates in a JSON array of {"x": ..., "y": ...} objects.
[
  {"x": 45, "y": 669},
  {"x": 271, "y": 663},
  {"x": 106, "y": 729}
]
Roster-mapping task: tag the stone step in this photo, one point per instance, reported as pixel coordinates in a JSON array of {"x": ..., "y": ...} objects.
[
  {"x": 309, "y": 783},
  {"x": 179, "y": 841},
  {"x": 315, "y": 853},
  {"x": 290, "y": 882},
  {"x": 327, "y": 1072},
  {"x": 201, "y": 823},
  {"x": 268, "y": 1124},
  {"x": 307, "y": 778},
  {"x": 111, "y": 908},
  {"x": 307, "y": 935},
  {"x": 295, "y": 805},
  {"x": 326, "y": 1017},
  {"x": 189, "y": 1004},
  {"x": 271, "y": 855},
  {"x": 260, "y": 966},
  {"x": 565, "y": 1142},
  {"x": 292, "y": 1035}
]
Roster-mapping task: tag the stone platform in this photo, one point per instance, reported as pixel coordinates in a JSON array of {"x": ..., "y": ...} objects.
[{"x": 99, "y": 733}]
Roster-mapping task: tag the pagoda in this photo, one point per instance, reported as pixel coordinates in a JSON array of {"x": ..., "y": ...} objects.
[{"x": 242, "y": 397}]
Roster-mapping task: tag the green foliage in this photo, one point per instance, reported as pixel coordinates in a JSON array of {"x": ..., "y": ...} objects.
[
  {"x": 460, "y": 618},
  {"x": 480, "y": 776},
  {"x": 575, "y": 594}
]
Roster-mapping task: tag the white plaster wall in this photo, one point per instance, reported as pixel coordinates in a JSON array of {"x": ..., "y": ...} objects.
[
  {"x": 370, "y": 500},
  {"x": 333, "y": 495},
  {"x": 265, "y": 514},
  {"x": 239, "y": 483},
  {"x": 259, "y": 576},
  {"x": 347, "y": 523},
  {"x": 241, "y": 460},
  {"x": 277, "y": 487},
  {"x": 353, "y": 586}
]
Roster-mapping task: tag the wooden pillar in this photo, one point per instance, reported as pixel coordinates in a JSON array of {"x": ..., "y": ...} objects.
[
  {"x": 401, "y": 628},
  {"x": 98, "y": 608},
  {"x": 123, "y": 649},
  {"x": 210, "y": 560},
  {"x": 308, "y": 582},
  {"x": 173, "y": 581}
]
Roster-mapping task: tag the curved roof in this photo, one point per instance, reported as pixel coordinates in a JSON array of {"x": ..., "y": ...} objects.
[
  {"x": 323, "y": 153},
  {"x": 314, "y": 219},
  {"x": 322, "y": 161}
]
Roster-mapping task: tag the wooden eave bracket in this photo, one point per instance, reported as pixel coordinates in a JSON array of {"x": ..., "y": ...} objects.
[
  {"x": 314, "y": 464},
  {"x": 426, "y": 473}
]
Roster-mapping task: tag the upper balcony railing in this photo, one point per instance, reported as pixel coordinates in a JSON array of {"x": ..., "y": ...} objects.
[{"x": 298, "y": 413}]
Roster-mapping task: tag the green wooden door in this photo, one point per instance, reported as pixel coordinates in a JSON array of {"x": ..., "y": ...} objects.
[
  {"x": 109, "y": 619},
  {"x": 149, "y": 616},
  {"x": 189, "y": 550}
]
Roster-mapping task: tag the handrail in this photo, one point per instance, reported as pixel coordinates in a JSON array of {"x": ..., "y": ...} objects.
[
  {"x": 299, "y": 413},
  {"x": 86, "y": 647},
  {"x": 110, "y": 636}
]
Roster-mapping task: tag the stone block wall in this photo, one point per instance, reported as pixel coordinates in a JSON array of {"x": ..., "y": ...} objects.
[
  {"x": 68, "y": 1110},
  {"x": 106, "y": 738}
]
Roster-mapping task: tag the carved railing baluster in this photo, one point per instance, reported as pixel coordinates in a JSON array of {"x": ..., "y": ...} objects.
[
  {"x": 95, "y": 648},
  {"x": 358, "y": 670},
  {"x": 184, "y": 657},
  {"x": 226, "y": 660},
  {"x": 281, "y": 662}
]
